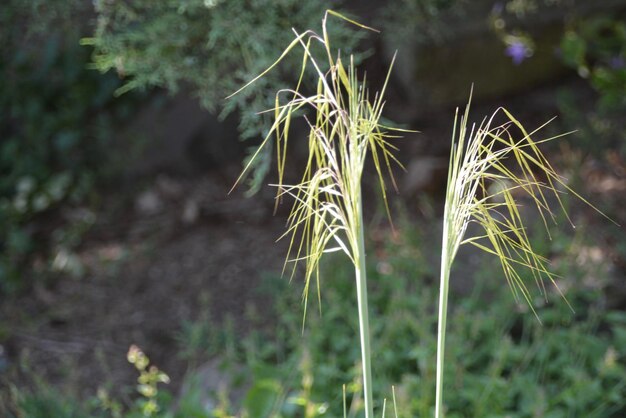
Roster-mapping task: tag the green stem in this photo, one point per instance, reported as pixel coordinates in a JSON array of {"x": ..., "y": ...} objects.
[
  {"x": 441, "y": 329},
  {"x": 361, "y": 290}
]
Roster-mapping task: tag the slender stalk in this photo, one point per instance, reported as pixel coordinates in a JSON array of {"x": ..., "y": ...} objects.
[
  {"x": 448, "y": 249},
  {"x": 441, "y": 327},
  {"x": 361, "y": 289}
]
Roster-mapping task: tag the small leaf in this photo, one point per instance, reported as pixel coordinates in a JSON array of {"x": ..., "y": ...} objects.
[{"x": 261, "y": 398}]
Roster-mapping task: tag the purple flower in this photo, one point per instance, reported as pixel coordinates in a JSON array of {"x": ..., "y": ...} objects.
[
  {"x": 617, "y": 62},
  {"x": 518, "y": 51},
  {"x": 498, "y": 8}
]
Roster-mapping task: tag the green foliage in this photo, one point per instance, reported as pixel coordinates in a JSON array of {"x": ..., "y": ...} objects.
[
  {"x": 260, "y": 400},
  {"x": 213, "y": 46},
  {"x": 500, "y": 360},
  {"x": 596, "y": 48},
  {"x": 599, "y": 132},
  {"x": 57, "y": 127},
  {"x": 46, "y": 403}
]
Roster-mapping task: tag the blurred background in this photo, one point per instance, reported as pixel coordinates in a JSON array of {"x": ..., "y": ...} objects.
[{"x": 117, "y": 153}]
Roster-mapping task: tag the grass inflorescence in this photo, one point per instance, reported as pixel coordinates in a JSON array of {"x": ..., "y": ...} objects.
[{"x": 493, "y": 166}]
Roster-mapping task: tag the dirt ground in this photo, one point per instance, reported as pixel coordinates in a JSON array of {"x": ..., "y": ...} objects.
[{"x": 184, "y": 248}]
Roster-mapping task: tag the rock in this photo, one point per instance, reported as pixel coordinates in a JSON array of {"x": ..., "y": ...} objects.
[
  {"x": 181, "y": 137},
  {"x": 191, "y": 212},
  {"x": 168, "y": 187},
  {"x": 208, "y": 384},
  {"x": 148, "y": 203},
  {"x": 424, "y": 173}
]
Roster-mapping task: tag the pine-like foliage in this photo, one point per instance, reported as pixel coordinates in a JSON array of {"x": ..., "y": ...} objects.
[{"x": 211, "y": 45}]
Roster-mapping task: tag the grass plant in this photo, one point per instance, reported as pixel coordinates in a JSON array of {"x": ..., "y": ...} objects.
[
  {"x": 327, "y": 214},
  {"x": 491, "y": 170}
]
